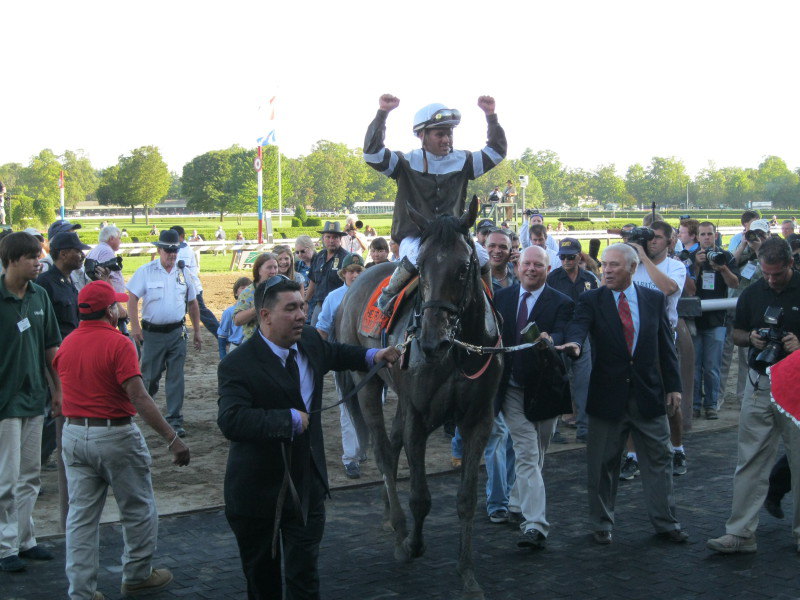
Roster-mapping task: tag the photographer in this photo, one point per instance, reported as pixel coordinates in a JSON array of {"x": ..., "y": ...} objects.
[
  {"x": 529, "y": 219},
  {"x": 110, "y": 238},
  {"x": 746, "y": 255},
  {"x": 761, "y": 423},
  {"x": 794, "y": 243},
  {"x": 658, "y": 271},
  {"x": 714, "y": 272}
]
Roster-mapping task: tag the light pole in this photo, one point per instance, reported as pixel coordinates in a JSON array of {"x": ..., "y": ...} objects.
[{"x": 523, "y": 183}]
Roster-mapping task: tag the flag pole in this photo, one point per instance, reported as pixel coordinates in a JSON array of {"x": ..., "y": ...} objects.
[
  {"x": 260, "y": 200},
  {"x": 61, "y": 192},
  {"x": 280, "y": 196}
]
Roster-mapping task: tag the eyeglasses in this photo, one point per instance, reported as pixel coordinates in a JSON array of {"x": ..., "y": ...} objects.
[
  {"x": 170, "y": 249},
  {"x": 564, "y": 257}
]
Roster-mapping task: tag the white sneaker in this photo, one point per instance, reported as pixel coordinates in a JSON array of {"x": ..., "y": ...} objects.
[{"x": 732, "y": 544}]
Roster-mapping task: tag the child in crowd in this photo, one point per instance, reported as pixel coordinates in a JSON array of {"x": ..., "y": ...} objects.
[
  {"x": 228, "y": 333},
  {"x": 378, "y": 251},
  {"x": 352, "y": 267}
]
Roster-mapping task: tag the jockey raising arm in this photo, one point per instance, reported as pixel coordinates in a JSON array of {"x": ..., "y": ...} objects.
[{"x": 431, "y": 180}]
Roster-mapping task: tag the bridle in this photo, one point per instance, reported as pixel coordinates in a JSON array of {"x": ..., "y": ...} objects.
[{"x": 454, "y": 312}]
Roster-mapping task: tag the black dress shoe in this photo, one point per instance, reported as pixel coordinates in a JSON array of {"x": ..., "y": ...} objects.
[
  {"x": 773, "y": 507},
  {"x": 676, "y": 536},
  {"x": 601, "y": 537},
  {"x": 533, "y": 539},
  {"x": 37, "y": 553}
]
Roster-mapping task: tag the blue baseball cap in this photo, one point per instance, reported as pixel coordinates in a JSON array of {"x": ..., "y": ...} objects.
[
  {"x": 61, "y": 226},
  {"x": 569, "y": 246}
]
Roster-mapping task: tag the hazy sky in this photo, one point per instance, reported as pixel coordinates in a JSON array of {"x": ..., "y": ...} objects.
[{"x": 598, "y": 81}]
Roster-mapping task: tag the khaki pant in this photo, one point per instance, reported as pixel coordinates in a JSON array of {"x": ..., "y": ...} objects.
[
  {"x": 20, "y": 480},
  {"x": 761, "y": 426}
]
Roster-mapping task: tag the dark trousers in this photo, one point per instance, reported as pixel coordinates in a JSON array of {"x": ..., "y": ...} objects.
[
  {"x": 780, "y": 479},
  {"x": 299, "y": 550},
  {"x": 207, "y": 317}
]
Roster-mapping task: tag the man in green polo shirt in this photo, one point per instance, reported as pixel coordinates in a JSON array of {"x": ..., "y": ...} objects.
[{"x": 30, "y": 337}]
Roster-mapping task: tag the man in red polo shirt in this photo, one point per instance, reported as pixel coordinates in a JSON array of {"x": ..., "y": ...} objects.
[{"x": 101, "y": 446}]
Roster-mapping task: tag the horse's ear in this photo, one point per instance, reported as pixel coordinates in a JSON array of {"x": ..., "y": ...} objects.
[{"x": 468, "y": 218}]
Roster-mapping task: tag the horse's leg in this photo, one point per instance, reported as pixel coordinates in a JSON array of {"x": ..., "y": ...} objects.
[
  {"x": 474, "y": 438},
  {"x": 415, "y": 439},
  {"x": 385, "y": 457},
  {"x": 395, "y": 445}
]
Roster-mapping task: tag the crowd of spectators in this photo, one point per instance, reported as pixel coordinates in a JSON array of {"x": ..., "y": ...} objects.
[{"x": 738, "y": 284}]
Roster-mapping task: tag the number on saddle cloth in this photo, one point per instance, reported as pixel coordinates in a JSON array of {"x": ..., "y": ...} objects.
[{"x": 374, "y": 322}]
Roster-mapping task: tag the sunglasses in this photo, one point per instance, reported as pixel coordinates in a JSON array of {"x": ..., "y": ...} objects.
[
  {"x": 262, "y": 288},
  {"x": 564, "y": 257}
]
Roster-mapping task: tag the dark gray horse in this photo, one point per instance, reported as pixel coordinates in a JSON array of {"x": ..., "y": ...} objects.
[{"x": 440, "y": 381}]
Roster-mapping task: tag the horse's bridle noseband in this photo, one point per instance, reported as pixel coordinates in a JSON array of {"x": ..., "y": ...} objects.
[{"x": 455, "y": 312}]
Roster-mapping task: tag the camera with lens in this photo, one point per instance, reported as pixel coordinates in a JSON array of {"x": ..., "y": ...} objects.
[
  {"x": 772, "y": 334},
  {"x": 719, "y": 257},
  {"x": 90, "y": 266},
  {"x": 528, "y": 212},
  {"x": 640, "y": 235},
  {"x": 685, "y": 256}
]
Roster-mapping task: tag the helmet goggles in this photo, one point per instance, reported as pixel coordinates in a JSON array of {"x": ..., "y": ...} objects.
[{"x": 444, "y": 117}]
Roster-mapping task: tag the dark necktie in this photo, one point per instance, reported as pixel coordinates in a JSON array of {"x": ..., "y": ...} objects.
[
  {"x": 517, "y": 361},
  {"x": 291, "y": 365},
  {"x": 627, "y": 321},
  {"x": 522, "y": 315}
]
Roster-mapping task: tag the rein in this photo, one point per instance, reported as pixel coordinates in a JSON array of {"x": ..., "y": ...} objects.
[{"x": 401, "y": 348}]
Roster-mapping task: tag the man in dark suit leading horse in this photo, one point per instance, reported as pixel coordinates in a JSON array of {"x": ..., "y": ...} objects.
[{"x": 270, "y": 394}]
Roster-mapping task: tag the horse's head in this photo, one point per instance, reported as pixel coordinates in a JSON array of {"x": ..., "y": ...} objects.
[{"x": 449, "y": 279}]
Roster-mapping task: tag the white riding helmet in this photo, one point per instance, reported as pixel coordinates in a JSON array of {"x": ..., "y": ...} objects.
[{"x": 435, "y": 115}]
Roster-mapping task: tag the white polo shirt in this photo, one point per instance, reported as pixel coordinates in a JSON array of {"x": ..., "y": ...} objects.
[{"x": 163, "y": 294}]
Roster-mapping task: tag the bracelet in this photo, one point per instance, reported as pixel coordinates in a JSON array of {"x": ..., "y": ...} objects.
[{"x": 169, "y": 446}]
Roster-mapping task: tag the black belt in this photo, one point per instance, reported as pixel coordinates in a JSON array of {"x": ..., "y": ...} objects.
[
  {"x": 96, "y": 422},
  {"x": 148, "y": 326}
]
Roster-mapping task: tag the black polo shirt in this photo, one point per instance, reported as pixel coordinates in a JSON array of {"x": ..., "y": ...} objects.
[
  {"x": 713, "y": 318},
  {"x": 559, "y": 280},
  {"x": 325, "y": 274},
  {"x": 758, "y": 296},
  {"x": 64, "y": 297}
]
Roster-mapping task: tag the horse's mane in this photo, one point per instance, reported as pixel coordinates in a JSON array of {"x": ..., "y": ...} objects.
[{"x": 445, "y": 231}]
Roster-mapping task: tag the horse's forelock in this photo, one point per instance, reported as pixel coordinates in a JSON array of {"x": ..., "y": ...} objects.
[{"x": 444, "y": 233}]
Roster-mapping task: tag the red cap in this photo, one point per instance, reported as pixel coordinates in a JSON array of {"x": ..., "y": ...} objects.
[{"x": 97, "y": 296}]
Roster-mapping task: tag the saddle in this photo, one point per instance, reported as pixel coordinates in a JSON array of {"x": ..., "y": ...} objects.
[{"x": 374, "y": 321}]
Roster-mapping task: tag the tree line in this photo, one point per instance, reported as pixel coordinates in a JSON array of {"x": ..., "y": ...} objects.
[{"x": 333, "y": 177}]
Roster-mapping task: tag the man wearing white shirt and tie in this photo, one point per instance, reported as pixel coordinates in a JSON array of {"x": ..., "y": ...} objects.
[
  {"x": 529, "y": 410},
  {"x": 633, "y": 385}
]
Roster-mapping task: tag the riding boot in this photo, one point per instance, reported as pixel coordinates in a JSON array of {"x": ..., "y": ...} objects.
[{"x": 404, "y": 272}]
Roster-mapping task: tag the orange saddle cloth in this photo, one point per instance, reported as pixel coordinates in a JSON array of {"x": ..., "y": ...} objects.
[{"x": 374, "y": 321}]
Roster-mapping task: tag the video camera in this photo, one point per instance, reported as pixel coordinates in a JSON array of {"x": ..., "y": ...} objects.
[
  {"x": 90, "y": 266},
  {"x": 640, "y": 235},
  {"x": 773, "y": 334}
]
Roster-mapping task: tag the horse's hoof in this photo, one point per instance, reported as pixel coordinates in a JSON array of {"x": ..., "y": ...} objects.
[
  {"x": 409, "y": 552},
  {"x": 401, "y": 553},
  {"x": 472, "y": 590}
]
